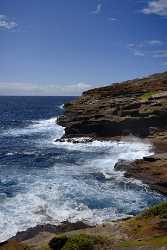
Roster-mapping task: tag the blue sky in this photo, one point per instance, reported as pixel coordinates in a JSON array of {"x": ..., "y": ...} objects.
[{"x": 63, "y": 47}]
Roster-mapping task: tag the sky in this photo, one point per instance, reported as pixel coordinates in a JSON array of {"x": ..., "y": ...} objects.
[{"x": 64, "y": 47}]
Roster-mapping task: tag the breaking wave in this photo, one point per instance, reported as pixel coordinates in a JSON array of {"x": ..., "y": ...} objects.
[{"x": 43, "y": 181}]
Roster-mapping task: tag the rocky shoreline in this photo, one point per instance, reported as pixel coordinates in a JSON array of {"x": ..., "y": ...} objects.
[
  {"x": 138, "y": 108},
  {"x": 147, "y": 231}
]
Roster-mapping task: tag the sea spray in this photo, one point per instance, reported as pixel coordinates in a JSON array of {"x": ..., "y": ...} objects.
[{"x": 43, "y": 181}]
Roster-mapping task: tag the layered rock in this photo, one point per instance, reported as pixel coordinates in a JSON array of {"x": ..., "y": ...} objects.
[
  {"x": 152, "y": 170},
  {"x": 137, "y": 107}
]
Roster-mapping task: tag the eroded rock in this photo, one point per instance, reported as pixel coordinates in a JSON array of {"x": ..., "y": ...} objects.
[{"x": 137, "y": 107}]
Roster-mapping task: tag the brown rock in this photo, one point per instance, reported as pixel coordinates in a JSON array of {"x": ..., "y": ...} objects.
[
  {"x": 151, "y": 170},
  {"x": 137, "y": 107}
]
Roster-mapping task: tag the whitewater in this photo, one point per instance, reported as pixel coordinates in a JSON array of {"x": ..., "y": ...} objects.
[{"x": 44, "y": 181}]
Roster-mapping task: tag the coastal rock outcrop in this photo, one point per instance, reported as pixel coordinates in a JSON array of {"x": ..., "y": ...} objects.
[
  {"x": 137, "y": 107},
  {"x": 152, "y": 170}
]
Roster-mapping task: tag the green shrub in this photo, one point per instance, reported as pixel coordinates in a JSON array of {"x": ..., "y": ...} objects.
[
  {"x": 157, "y": 210},
  {"x": 147, "y": 95},
  {"x": 77, "y": 242}
]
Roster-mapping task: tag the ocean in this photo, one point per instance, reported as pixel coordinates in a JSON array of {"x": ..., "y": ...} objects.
[{"x": 43, "y": 181}]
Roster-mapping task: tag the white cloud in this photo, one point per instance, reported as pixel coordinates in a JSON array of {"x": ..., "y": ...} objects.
[
  {"x": 5, "y": 23},
  {"x": 155, "y": 42},
  {"x": 16, "y": 88},
  {"x": 98, "y": 9},
  {"x": 157, "y": 7}
]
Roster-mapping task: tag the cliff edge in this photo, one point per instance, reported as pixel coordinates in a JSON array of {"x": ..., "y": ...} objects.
[{"x": 137, "y": 107}]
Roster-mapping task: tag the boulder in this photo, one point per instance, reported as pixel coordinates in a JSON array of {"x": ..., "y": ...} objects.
[{"x": 123, "y": 165}]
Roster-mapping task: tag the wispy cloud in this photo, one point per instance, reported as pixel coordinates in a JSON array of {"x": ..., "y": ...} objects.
[
  {"x": 136, "y": 49},
  {"x": 154, "y": 42},
  {"x": 6, "y": 23},
  {"x": 138, "y": 53},
  {"x": 98, "y": 9},
  {"x": 157, "y": 7},
  {"x": 35, "y": 89},
  {"x": 146, "y": 47},
  {"x": 113, "y": 19}
]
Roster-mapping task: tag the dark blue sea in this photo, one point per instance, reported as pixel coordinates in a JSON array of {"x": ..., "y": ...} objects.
[{"x": 43, "y": 181}]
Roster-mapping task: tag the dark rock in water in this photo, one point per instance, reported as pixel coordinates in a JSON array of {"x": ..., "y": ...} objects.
[
  {"x": 162, "y": 183},
  {"x": 75, "y": 140},
  {"x": 150, "y": 158},
  {"x": 64, "y": 227},
  {"x": 99, "y": 176},
  {"x": 155, "y": 157},
  {"x": 123, "y": 165},
  {"x": 137, "y": 107}
]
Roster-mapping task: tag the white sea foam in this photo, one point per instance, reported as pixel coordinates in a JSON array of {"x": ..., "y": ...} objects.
[
  {"x": 48, "y": 126},
  {"x": 61, "y": 106},
  {"x": 63, "y": 191}
]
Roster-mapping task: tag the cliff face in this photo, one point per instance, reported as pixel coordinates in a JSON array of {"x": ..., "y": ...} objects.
[{"x": 137, "y": 107}]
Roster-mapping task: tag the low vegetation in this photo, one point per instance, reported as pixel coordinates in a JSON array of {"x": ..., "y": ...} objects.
[
  {"x": 156, "y": 241},
  {"x": 157, "y": 210},
  {"x": 78, "y": 242},
  {"x": 149, "y": 229},
  {"x": 147, "y": 95}
]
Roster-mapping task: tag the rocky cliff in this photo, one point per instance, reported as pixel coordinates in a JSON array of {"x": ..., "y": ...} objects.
[{"x": 137, "y": 107}]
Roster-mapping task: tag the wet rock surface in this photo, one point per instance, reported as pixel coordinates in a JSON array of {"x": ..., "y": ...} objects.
[
  {"x": 152, "y": 170},
  {"x": 123, "y": 165}
]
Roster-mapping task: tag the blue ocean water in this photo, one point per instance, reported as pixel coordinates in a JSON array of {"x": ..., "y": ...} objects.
[{"x": 43, "y": 181}]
